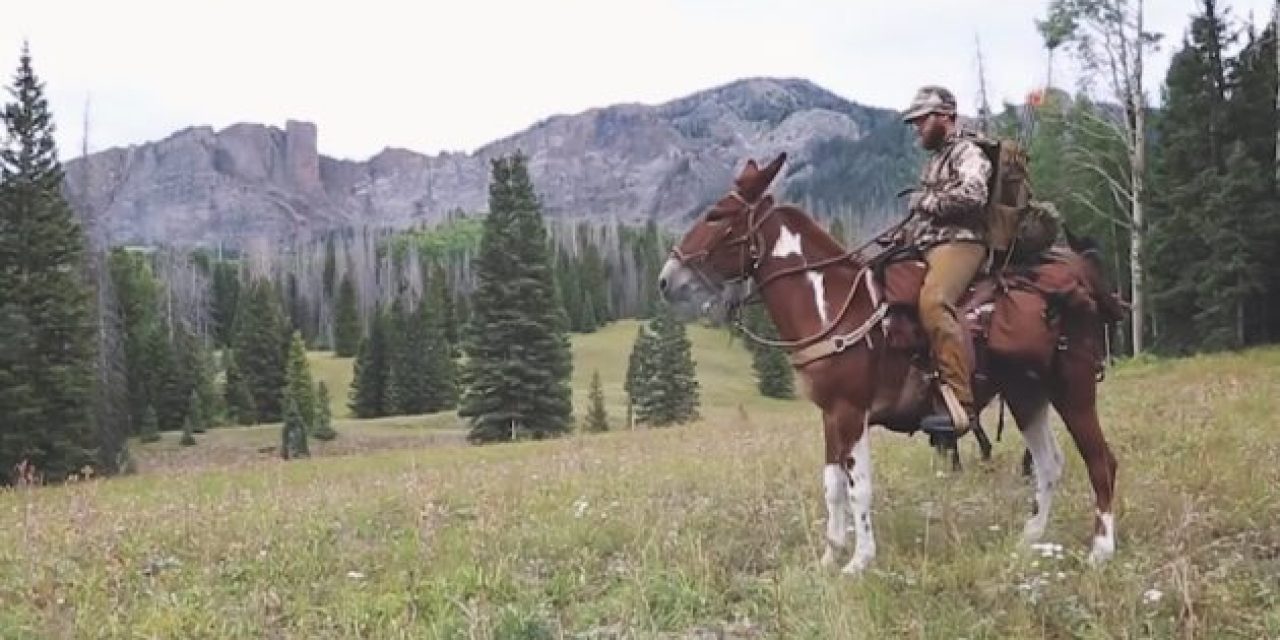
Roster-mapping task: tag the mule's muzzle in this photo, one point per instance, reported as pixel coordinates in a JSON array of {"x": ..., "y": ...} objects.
[{"x": 675, "y": 282}]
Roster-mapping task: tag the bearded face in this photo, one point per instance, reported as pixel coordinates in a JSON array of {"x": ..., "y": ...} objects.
[{"x": 932, "y": 130}]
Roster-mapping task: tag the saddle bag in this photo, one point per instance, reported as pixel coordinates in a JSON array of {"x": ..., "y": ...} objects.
[{"x": 1021, "y": 329}]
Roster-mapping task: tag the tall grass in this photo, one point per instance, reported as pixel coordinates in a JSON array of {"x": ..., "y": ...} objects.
[{"x": 708, "y": 530}]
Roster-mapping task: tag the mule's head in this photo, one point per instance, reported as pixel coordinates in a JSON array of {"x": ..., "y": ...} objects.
[{"x": 709, "y": 269}]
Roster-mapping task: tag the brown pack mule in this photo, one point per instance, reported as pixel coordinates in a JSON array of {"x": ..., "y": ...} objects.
[{"x": 850, "y": 326}]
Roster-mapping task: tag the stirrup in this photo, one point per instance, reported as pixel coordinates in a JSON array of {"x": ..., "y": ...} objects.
[{"x": 955, "y": 422}]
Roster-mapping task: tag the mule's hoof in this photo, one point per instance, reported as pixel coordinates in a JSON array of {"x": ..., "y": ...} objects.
[
  {"x": 1100, "y": 554},
  {"x": 828, "y": 560},
  {"x": 1032, "y": 532},
  {"x": 857, "y": 565}
]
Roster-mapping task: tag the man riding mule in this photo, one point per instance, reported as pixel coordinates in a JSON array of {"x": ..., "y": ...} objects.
[
  {"x": 850, "y": 324},
  {"x": 950, "y": 228}
]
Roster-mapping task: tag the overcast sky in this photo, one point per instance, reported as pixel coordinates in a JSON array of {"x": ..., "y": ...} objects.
[{"x": 432, "y": 76}]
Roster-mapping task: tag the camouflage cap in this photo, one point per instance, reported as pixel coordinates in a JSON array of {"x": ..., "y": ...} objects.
[{"x": 930, "y": 99}]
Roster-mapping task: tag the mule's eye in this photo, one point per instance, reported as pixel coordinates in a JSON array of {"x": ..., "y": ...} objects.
[{"x": 717, "y": 215}]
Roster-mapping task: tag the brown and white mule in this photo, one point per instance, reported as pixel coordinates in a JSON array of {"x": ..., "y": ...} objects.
[{"x": 859, "y": 356}]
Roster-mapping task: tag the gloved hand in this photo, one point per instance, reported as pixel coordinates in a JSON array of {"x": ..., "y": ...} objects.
[
  {"x": 921, "y": 202},
  {"x": 893, "y": 238}
]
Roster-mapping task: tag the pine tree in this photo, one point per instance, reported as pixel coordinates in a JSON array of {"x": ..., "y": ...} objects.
[
  {"x": 1212, "y": 236},
  {"x": 407, "y": 386},
  {"x": 518, "y": 362},
  {"x": 145, "y": 355},
  {"x": 442, "y": 369},
  {"x": 640, "y": 366},
  {"x": 666, "y": 382},
  {"x": 595, "y": 287},
  {"x": 225, "y": 294},
  {"x": 346, "y": 320},
  {"x": 148, "y": 425},
  {"x": 324, "y": 416},
  {"x": 569, "y": 289},
  {"x": 443, "y": 296},
  {"x": 396, "y": 367},
  {"x": 597, "y": 418},
  {"x": 293, "y": 433},
  {"x": 369, "y": 386},
  {"x": 43, "y": 294},
  {"x": 239, "y": 400},
  {"x": 298, "y": 383},
  {"x": 164, "y": 392},
  {"x": 211, "y": 406},
  {"x": 260, "y": 345},
  {"x": 1254, "y": 123},
  {"x": 178, "y": 376},
  {"x": 677, "y": 381},
  {"x": 773, "y": 371}
]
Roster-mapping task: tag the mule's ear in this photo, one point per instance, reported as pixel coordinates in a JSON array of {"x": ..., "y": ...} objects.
[
  {"x": 747, "y": 177},
  {"x": 771, "y": 170}
]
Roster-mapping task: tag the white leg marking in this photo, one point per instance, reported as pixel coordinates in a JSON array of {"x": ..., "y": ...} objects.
[
  {"x": 788, "y": 243},
  {"x": 819, "y": 295},
  {"x": 1047, "y": 459},
  {"x": 835, "y": 484},
  {"x": 860, "y": 498},
  {"x": 1104, "y": 542}
]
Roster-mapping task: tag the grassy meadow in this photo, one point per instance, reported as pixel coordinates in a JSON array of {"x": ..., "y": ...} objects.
[{"x": 398, "y": 529}]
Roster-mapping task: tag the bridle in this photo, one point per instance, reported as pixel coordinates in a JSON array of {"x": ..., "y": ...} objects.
[
  {"x": 751, "y": 251},
  {"x": 749, "y": 244}
]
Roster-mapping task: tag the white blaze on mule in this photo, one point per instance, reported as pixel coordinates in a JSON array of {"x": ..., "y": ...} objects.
[
  {"x": 819, "y": 296},
  {"x": 788, "y": 244}
]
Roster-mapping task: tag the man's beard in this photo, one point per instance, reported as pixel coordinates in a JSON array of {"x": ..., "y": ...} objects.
[{"x": 932, "y": 140}]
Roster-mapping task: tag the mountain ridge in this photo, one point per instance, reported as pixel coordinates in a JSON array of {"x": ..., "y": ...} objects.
[{"x": 627, "y": 161}]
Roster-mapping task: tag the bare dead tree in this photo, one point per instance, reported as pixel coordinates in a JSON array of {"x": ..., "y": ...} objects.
[
  {"x": 1110, "y": 40},
  {"x": 185, "y": 297},
  {"x": 110, "y": 415},
  {"x": 984, "y": 106}
]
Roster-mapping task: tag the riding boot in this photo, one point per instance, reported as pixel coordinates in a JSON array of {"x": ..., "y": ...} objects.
[{"x": 951, "y": 268}]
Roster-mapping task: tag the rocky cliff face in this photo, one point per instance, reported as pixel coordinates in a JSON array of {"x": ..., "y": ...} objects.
[{"x": 634, "y": 162}]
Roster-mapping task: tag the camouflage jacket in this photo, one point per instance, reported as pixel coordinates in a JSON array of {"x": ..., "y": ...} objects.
[{"x": 951, "y": 203}]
